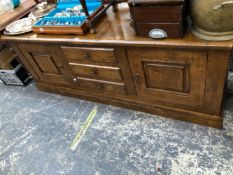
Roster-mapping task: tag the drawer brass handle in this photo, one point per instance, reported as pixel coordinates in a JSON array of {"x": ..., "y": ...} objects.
[
  {"x": 94, "y": 71},
  {"x": 86, "y": 56},
  {"x": 100, "y": 86}
]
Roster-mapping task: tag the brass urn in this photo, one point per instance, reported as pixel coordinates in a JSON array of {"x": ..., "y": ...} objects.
[{"x": 212, "y": 19}]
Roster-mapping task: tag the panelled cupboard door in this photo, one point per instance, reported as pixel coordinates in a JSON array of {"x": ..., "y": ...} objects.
[
  {"x": 172, "y": 76},
  {"x": 45, "y": 60}
]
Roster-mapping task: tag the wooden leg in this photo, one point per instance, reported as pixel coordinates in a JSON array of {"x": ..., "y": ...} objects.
[
  {"x": 115, "y": 7},
  {"x": 84, "y": 5},
  {"x": 91, "y": 26}
]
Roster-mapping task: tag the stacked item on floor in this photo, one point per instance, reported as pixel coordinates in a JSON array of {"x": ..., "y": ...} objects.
[{"x": 11, "y": 71}]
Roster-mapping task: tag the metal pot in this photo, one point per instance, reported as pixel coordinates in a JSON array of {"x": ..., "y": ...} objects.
[{"x": 212, "y": 19}]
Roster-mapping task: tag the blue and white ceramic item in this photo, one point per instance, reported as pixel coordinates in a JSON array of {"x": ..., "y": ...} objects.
[{"x": 15, "y": 3}]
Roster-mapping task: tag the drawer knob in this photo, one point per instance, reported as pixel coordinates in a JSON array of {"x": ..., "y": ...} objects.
[
  {"x": 100, "y": 86},
  {"x": 75, "y": 79},
  {"x": 60, "y": 66},
  {"x": 94, "y": 71},
  {"x": 86, "y": 56},
  {"x": 157, "y": 34}
]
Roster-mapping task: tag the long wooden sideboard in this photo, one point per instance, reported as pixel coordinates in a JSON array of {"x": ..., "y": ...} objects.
[{"x": 178, "y": 78}]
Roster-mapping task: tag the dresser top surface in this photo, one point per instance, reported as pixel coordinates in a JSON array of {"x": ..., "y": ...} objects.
[{"x": 115, "y": 30}]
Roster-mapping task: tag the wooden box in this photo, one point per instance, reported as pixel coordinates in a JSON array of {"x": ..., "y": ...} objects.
[
  {"x": 159, "y": 18},
  {"x": 72, "y": 24}
]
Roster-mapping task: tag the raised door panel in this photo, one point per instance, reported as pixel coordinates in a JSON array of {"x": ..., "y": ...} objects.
[
  {"x": 165, "y": 76},
  {"x": 45, "y": 61},
  {"x": 171, "y": 76}
]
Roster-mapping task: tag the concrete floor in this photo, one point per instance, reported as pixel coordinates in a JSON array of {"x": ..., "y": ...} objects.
[{"x": 37, "y": 128}]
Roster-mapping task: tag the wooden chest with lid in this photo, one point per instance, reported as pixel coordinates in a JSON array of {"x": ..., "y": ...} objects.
[{"x": 159, "y": 18}]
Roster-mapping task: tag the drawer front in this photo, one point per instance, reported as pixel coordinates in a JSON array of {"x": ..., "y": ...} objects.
[
  {"x": 104, "y": 69},
  {"x": 171, "y": 76},
  {"x": 173, "y": 30},
  {"x": 97, "y": 72},
  {"x": 89, "y": 55},
  {"x": 104, "y": 87},
  {"x": 157, "y": 14}
]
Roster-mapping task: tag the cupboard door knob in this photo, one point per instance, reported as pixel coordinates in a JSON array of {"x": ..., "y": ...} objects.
[
  {"x": 60, "y": 66},
  {"x": 75, "y": 79},
  {"x": 86, "y": 56},
  {"x": 136, "y": 77},
  {"x": 94, "y": 71}
]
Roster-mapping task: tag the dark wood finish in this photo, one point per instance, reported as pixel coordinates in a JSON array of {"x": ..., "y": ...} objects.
[
  {"x": 2, "y": 46},
  {"x": 83, "y": 3},
  {"x": 158, "y": 14},
  {"x": 179, "y": 78},
  {"x": 173, "y": 30},
  {"x": 167, "y": 15}
]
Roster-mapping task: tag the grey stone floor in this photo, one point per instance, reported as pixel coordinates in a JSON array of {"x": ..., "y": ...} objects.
[{"x": 37, "y": 128}]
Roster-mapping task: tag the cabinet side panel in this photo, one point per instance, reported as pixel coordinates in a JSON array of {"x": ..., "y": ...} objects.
[{"x": 216, "y": 78}]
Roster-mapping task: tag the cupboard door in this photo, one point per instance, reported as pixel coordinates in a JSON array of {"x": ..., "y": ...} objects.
[
  {"x": 169, "y": 75},
  {"x": 45, "y": 60},
  {"x": 104, "y": 70}
]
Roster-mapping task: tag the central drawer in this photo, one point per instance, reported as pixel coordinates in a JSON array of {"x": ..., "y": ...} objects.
[
  {"x": 89, "y": 55},
  {"x": 103, "y": 70},
  {"x": 105, "y": 87},
  {"x": 97, "y": 72}
]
